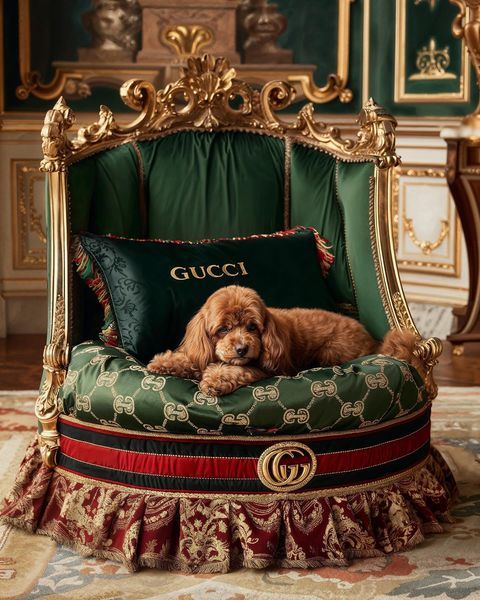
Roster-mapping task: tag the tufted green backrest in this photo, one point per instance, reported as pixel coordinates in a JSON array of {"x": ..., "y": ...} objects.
[{"x": 197, "y": 185}]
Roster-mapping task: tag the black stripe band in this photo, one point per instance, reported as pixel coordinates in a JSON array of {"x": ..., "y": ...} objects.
[{"x": 365, "y": 438}]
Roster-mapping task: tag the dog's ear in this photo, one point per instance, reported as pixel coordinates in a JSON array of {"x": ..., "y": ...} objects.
[
  {"x": 275, "y": 355},
  {"x": 196, "y": 343}
]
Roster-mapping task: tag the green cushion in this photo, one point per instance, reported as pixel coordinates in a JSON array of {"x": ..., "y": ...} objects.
[
  {"x": 105, "y": 385},
  {"x": 155, "y": 287}
]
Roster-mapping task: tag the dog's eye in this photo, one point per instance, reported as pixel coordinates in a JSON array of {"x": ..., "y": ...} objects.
[
  {"x": 251, "y": 327},
  {"x": 222, "y": 330}
]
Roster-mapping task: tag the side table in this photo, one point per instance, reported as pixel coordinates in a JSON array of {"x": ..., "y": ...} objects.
[{"x": 463, "y": 177}]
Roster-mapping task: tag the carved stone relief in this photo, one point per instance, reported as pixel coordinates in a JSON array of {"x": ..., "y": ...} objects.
[
  {"x": 114, "y": 26},
  {"x": 260, "y": 25}
]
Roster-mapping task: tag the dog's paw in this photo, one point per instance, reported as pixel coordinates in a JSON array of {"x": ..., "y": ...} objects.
[
  {"x": 159, "y": 364},
  {"x": 174, "y": 364},
  {"x": 214, "y": 384}
]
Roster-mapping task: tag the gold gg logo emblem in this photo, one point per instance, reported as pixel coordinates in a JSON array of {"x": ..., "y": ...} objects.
[{"x": 286, "y": 466}]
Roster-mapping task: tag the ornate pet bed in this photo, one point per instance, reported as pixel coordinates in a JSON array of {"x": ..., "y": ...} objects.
[{"x": 317, "y": 469}]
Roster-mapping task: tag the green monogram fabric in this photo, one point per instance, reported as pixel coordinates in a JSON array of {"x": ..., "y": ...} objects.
[
  {"x": 155, "y": 287},
  {"x": 106, "y": 385}
]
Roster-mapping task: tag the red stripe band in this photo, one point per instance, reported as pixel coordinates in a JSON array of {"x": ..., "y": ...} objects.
[{"x": 174, "y": 465}]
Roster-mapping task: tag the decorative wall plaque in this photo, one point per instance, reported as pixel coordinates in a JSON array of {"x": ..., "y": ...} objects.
[{"x": 214, "y": 20}]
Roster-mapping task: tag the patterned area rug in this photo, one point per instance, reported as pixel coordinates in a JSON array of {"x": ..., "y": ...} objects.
[{"x": 444, "y": 566}]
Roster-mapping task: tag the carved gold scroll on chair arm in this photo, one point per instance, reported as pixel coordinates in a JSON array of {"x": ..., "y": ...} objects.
[
  {"x": 427, "y": 351},
  {"x": 55, "y": 360},
  {"x": 208, "y": 96}
]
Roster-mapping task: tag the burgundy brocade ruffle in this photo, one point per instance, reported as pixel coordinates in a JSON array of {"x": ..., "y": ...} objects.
[{"x": 195, "y": 534}]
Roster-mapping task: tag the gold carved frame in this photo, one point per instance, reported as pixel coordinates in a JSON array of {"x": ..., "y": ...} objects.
[
  {"x": 72, "y": 76},
  {"x": 202, "y": 100}
]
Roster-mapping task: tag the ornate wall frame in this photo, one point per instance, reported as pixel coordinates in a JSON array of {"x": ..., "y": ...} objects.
[
  {"x": 400, "y": 94},
  {"x": 27, "y": 220},
  {"x": 426, "y": 262},
  {"x": 68, "y": 79}
]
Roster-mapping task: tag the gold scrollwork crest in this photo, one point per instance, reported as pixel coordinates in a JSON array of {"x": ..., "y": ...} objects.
[
  {"x": 286, "y": 466},
  {"x": 208, "y": 96}
]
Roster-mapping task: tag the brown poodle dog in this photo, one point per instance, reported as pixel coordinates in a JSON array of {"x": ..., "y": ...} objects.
[{"x": 235, "y": 340}]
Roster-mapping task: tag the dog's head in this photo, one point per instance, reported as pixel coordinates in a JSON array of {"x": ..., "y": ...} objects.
[{"x": 235, "y": 327}]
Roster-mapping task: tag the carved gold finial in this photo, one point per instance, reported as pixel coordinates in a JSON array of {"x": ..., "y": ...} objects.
[
  {"x": 377, "y": 134},
  {"x": 468, "y": 27},
  {"x": 187, "y": 40},
  {"x": 55, "y": 144}
]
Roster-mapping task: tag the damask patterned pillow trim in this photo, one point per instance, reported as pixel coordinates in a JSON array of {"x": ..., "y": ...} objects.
[{"x": 88, "y": 271}]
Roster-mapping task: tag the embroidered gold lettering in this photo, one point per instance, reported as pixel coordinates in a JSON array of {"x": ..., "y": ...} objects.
[
  {"x": 242, "y": 267},
  {"x": 201, "y": 272},
  {"x": 183, "y": 274},
  {"x": 211, "y": 273},
  {"x": 193, "y": 271},
  {"x": 225, "y": 270}
]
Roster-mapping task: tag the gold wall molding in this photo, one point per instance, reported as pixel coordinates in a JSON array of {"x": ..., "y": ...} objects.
[
  {"x": 432, "y": 62},
  {"x": 448, "y": 230},
  {"x": 425, "y": 246},
  {"x": 75, "y": 79},
  {"x": 28, "y": 229},
  {"x": 400, "y": 93},
  {"x": 336, "y": 84},
  {"x": 456, "y": 288}
]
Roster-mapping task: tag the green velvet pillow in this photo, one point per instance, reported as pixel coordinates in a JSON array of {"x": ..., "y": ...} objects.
[{"x": 150, "y": 289}]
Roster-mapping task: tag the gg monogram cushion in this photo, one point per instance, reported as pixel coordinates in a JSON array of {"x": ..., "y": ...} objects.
[{"x": 150, "y": 289}]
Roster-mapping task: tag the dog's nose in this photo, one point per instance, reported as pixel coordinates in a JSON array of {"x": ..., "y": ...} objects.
[{"x": 241, "y": 350}]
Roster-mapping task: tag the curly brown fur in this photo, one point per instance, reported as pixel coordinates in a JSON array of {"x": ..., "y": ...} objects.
[{"x": 235, "y": 340}]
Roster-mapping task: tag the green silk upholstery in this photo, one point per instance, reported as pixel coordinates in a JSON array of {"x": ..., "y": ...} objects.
[
  {"x": 353, "y": 184},
  {"x": 209, "y": 185},
  {"x": 196, "y": 185},
  {"x": 105, "y": 191},
  {"x": 105, "y": 385}
]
